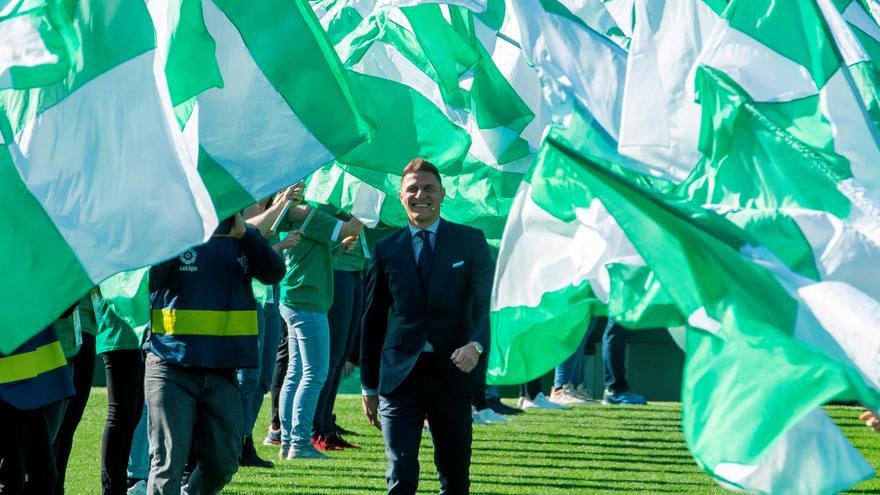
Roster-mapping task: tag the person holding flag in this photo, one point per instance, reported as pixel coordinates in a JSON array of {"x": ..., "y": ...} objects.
[{"x": 203, "y": 328}]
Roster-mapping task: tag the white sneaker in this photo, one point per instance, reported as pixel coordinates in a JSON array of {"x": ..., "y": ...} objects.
[
  {"x": 283, "y": 451},
  {"x": 542, "y": 402},
  {"x": 139, "y": 488},
  {"x": 567, "y": 396},
  {"x": 525, "y": 403},
  {"x": 488, "y": 417},
  {"x": 584, "y": 393}
]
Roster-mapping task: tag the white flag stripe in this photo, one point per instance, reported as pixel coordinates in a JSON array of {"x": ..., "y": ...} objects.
[
  {"x": 249, "y": 108},
  {"x": 106, "y": 180}
]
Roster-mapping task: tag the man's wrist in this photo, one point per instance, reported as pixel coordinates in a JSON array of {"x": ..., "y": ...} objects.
[
  {"x": 369, "y": 392},
  {"x": 477, "y": 346}
]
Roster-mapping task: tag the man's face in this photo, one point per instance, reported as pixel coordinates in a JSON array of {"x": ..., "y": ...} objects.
[{"x": 421, "y": 195}]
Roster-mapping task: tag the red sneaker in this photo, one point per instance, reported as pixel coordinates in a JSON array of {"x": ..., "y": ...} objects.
[
  {"x": 320, "y": 442},
  {"x": 339, "y": 443}
]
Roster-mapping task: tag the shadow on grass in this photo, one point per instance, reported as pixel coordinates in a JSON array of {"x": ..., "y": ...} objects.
[{"x": 600, "y": 484}]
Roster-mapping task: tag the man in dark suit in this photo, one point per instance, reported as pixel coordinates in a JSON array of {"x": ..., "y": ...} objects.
[{"x": 425, "y": 328}]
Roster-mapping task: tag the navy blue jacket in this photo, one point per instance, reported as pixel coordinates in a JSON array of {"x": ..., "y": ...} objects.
[
  {"x": 203, "y": 309},
  {"x": 36, "y": 373},
  {"x": 400, "y": 317}
]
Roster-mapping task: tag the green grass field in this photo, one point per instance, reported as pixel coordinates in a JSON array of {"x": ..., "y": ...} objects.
[{"x": 586, "y": 450}]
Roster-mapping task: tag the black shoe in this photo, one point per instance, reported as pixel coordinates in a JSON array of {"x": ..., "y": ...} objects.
[
  {"x": 502, "y": 408},
  {"x": 249, "y": 456}
]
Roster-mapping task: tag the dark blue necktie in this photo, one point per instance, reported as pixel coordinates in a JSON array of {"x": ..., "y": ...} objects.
[{"x": 426, "y": 258}]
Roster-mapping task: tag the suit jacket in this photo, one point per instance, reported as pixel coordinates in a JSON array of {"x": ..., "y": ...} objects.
[{"x": 400, "y": 317}]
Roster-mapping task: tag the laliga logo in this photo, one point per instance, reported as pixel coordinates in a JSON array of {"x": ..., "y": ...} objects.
[{"x": 189, "y": 257}]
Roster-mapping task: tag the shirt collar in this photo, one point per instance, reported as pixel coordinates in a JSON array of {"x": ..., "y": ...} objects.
[{"x": 413, "y": 230}]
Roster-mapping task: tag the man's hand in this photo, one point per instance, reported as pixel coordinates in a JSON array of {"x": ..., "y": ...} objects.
[
  {"x": 292, "y": 240},
  {"x": 465, "y": 357},
  {"x": 870, "y": 420},
  {"x": 349, "y": 243},
  {"x": 294, "y": 194},
  {"x": 371, "y": 409}
]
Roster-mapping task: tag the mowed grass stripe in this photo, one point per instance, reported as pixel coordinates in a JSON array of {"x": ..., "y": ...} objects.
[{"x": 584, "y": 450}]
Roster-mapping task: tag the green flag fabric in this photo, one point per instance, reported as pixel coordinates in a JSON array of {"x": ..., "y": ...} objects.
[
  {"x": 256, "y": 122},
  {"x": 85, "y": 160},
  {"x": 441, "y": 83},
  {"x": 727, "y": 185}
]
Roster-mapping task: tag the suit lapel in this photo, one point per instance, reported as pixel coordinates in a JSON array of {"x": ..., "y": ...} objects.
[
  {"x": 407, "y": 258},
  {"x": 443, "y": 250}
]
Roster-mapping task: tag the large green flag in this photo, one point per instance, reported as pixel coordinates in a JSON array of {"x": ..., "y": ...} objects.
[
  {"x": 765, "y": 250},
  {"x": 759, "y": 334},
  {"x": 95, "y": 176},
  {"x": 441, "y": 83},
  {"x": 256, "y": 121}
]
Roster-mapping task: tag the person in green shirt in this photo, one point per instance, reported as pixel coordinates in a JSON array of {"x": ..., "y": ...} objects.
[
  {"x": 119, "y": 346},
  {"x": 306, "y": 297},
  {"x": 343, "y": 318},
  {"x": 255, "y": 382}
]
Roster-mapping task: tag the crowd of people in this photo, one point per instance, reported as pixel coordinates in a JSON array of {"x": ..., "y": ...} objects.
[{"x": 282, "y": 300}]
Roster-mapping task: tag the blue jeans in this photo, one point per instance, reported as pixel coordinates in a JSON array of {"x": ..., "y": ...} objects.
[
  {"x": 308, "y": 339},
  {"x": 572, "y": 369},
  {"x": 255, "y": 382},
  {"x": 614, "y": 357},
  {"x": 614, "y": 339}
]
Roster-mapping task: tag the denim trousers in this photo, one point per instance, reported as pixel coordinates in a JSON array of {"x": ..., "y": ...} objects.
[
  {"x": 344, "y": 320},
  {"x": 614, "y": 357},
  {"x": 308, "y": 339},
  {"x": 572, "y": 369},
  {"x": 614, "y": 338},
  {"x": 255, "y": 382},
  {"x": 191, "y": 407}
]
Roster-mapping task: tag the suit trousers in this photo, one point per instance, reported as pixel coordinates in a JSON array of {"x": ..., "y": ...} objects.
[{"x": 423, "y": 394}]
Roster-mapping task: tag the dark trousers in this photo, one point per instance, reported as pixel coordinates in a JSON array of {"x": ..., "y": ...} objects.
[
  {"x": 280, "y": 372},
  {"x": 83, "y": 372},
  {"x": 614, "y": 357},
  {"x": 344, "y": 318},
  {"x": 27, "y": 459},
  {"x": 191, "y": 409},
  {"x": 424, "y": 395},
  {"x": 125, "y": 402}
]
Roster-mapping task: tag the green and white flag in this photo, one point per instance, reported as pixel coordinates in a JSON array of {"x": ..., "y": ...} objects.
[
  {"x": 660, "y": 118},
  {"x": 263, "y": 99},
  {"x": 435, "y": 81},
  {"x": 95, "y": 177},
  {"x": 759, "y": 334},
  {"x": 778, "y": 205},
  {"x": 37, "y": 42}
]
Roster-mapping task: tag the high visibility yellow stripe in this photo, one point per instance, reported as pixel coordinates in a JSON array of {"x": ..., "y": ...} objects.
[
  {"x": 204, "y": 322},
  {"x": 30, "y": 364}
]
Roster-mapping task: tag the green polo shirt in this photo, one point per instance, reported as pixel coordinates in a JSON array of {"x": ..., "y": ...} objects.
[{"x": 308, "y": 284}]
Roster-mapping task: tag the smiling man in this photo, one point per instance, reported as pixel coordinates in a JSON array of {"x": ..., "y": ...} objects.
[{"x": 425, "y": 328}]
